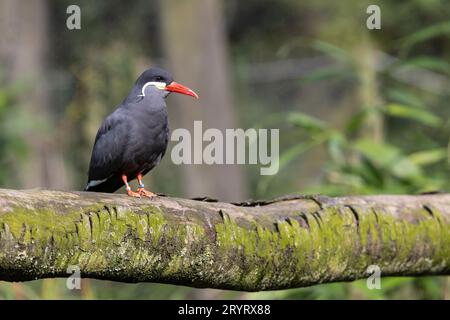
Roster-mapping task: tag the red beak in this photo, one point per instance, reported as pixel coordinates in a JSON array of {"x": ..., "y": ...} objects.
[{"x": 179, "y": 88}]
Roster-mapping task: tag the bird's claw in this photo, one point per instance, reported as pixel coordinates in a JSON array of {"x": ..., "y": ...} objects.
[
  {"x": 146, "y": 193},
  {"x": 133, "y": 194}
]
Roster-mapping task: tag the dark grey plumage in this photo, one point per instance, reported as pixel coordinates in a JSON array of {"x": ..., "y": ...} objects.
[{"x": 133, "y": 139}]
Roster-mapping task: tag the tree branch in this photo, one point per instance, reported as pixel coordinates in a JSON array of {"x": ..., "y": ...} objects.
[{"x": 285, "y": 243}]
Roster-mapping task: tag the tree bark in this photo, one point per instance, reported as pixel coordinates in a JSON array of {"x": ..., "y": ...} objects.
[{"x": 288, "y": 242}]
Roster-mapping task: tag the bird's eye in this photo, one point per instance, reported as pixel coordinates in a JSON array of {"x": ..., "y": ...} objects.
[{"x": 159, "y": 78}]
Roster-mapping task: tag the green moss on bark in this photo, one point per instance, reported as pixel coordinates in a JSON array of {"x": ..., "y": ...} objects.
[{"x": 276, "y": 246}]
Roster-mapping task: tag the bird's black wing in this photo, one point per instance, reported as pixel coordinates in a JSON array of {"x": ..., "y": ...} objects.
[{"x": 107, "y": 154}]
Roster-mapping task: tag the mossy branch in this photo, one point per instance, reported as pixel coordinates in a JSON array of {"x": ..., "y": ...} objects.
[{"x": 285, "y": 243}]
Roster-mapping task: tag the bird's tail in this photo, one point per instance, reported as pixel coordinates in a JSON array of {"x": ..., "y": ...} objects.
[{"x": 109, "y": 185}]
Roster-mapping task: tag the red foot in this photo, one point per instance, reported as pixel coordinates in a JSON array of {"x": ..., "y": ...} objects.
[
  {"x": 133, "y": 194},
  {"x": 146, "y": 193}
]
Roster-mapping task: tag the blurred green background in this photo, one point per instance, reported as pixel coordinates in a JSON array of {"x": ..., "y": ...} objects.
[{"x": 360, "y": 111}]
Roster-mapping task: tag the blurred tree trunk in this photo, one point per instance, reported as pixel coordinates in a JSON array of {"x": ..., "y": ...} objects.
[
  {"x": 195, "y": 42},
  {"x": 355, "y": 40},
  {"x": 24, "y": 50},
  {"x": 368, "y": 95}
]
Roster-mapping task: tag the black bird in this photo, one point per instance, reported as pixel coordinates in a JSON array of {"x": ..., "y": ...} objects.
[{"x": 132, "y": 140}]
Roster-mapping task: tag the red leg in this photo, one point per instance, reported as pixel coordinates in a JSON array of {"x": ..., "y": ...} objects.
[
  {"x": 130, "y": 193},
  {"x": 141, "y": 189}
]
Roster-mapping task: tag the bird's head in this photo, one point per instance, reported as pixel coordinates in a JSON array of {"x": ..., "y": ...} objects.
[{"x": 159, "y": 81}]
